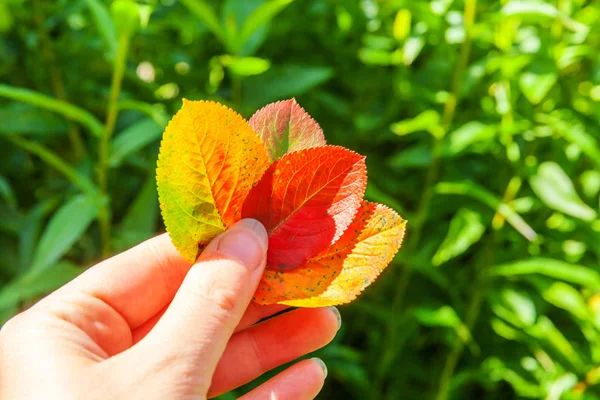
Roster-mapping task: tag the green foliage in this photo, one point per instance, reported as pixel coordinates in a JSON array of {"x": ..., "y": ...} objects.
[{"x": 479, "y": 120}]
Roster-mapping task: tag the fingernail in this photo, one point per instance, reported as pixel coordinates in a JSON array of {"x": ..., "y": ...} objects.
[
  {"x": 245, "y": 241},
  {"x": 337, "y": 314},
  {"x": 322, "y": 365}
]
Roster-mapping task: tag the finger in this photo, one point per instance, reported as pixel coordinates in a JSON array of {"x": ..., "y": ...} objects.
[
  {"x": 302, "y": 381},
  {"x": 254, "y": 313},
  {"x": 258, "y": 349},
  {"x": 210, "y": 303},
  {"x": 138, "y": 283}
]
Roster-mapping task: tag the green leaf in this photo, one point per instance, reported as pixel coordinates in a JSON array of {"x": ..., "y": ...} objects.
[
  {"x": 565, "y": 296},
  {"x": 554, "y": 187},
  {"x": 126, "y": 16},
  {"x": 418, "y": 156},
  {"x": 62, "y": 107},
  {"x": 7, "y": 193},
  {"x": 536, "y": 82},
  {"x": 574, "y": 132},
  {"x": 245, "y": 66},
  {"x": 261, "y": 16},
  {"x": 466, "y": 228},
  {"x": 477, "y": 192},
  {"x": 104, "y": 24},
  {"x": 133, "y": 138},
  {"x": 64, "y": 229},
  {"x": 141, "y": 218},
  {"x": 34, "y": 284},
  {"x": 20, "y": 118},
  {"x": 205, "y": 13},
  {"x": 426, "y": 121},
  {"x": 549, "y": 267},
  {"x": 470, "y": 133},
  {"x": 282, "y": 82}
]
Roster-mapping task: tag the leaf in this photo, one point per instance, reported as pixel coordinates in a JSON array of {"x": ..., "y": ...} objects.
[
  {"x": 132, "y": 139},
  {"x": 126, "y": 16},
  {"x": 341, "y": 272},
  {"x": 209, "y": 159},
  {"x": 285, "y": 127},
  {"x": 466, "y": 228},
  {"x": 34, "y": 284},
  {"x": 565, "y": 296},
  {"x": 64, "y": 229},
  {"x": 554, "y": 187},
  {"x": 261, "y": 16},
  {"x": 205, "y": 13},
  {"x": 245, "y": 66},
  {"x": 284, "y": 82},
  {"x": 140, "y": 220},
  {"x": 417, "y": 156},
  {"x": 105, "y": 25},
  {"x": 7, "y": 193},
  {"x": 428, "y": 120},
  {"x": 552, "y": 268},
  {"x": 475, "y": 191},
  {"x": 468, "y": 134},
  {"x": 24, "y": 119},
  {"x": 537, "y": 81},
  {"x": 306, "y": 200}
]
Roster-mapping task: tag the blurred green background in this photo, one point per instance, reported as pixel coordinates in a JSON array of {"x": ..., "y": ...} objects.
[{"x": 479, "y": 120}]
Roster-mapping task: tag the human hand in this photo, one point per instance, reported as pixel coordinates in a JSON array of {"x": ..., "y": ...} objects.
[{"x": 146, "y": 324}]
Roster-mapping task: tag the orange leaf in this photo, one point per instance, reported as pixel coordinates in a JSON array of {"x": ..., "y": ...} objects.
[
  {"x": 285, "y": 127},
  {"x": 306, "y": 200},
  {"x": 209, "y": 159},
  {"x": 341, "y": 272}
]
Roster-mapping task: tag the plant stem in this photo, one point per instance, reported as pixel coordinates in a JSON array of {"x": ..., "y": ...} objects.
[
  {"x": 55, "y": 161},
  {"x": 56, "y": 80},
  {"x": 414, "y": 237},
  {"x": 105, "y": 140}
]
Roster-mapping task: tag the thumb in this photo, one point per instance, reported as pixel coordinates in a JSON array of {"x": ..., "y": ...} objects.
[{"x": 211, "y": 301}]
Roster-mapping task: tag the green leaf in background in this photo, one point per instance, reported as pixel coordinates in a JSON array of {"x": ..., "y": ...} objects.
[
  {"x": 419, "y": 156},
  {"x": 467, "y": 135},
  {"x": 574, "y": 132},
  {"x": 141, "y": 219},
  {"x": 7, "y": 193},
  {"x": 536, "y": 82},
  {"x": 24, "y": 119},
  {"x": 554, "y": 187},
  {"x": 565, "y": 296},
  {"x": 281, "y": 82},
  {"x": 132, "y": 139},
  {"x": 105, "y": 25},
  {"x": 126, "y": 17},
  {"x": 207, "y": 15},
  {"x": 477, "y": 192},
  {"x": 444, "y": 316},
  {"x": 64, "y": 229},
  {"x": 261, "y": 16},
  {"x": 245, "y": 66},
  {"x": 466, "y": 229},
  {"x": 35, "y": 283},
  {"x": 549, "y": 267},
  {"x": 428, "y": 121}
]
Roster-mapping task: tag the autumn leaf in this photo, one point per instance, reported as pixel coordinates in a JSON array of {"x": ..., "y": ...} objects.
[
  {"x": 342, "y": 271},
  {"x": 209, "y": 160},
  {"x": 306, "y": 200},
  {"x": 285, "y": 127}
]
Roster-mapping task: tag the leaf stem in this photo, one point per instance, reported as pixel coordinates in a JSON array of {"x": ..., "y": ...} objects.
[{"x": 105, "y": 139}]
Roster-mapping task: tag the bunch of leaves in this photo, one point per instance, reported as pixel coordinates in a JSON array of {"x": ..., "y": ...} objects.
[{"x": 325, "y": 243}]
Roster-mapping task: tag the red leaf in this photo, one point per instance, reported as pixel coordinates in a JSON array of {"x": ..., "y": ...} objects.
[
  {"x": 306, "y": 200},
  {"x": 285, "y": 127}
]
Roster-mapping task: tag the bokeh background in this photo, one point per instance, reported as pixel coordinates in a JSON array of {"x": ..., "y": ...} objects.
[{"x": 479, "y": 120}]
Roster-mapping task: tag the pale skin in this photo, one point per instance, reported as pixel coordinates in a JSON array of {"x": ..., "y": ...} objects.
[{"x": 146, "y": 324}]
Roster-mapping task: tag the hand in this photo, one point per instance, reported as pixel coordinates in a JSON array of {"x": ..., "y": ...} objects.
[{"x": 147, "y": 325}]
